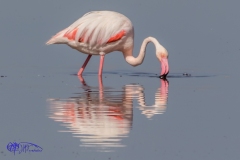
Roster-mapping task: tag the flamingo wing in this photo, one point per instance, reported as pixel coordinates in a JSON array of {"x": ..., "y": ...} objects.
[{"x": 97, "y": 28}]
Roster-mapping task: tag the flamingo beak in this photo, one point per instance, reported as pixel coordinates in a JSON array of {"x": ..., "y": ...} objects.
[{"x": 164, "y": 67}]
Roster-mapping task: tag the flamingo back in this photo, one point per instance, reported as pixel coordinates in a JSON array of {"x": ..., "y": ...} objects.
[{"x": 95, "y": 28}]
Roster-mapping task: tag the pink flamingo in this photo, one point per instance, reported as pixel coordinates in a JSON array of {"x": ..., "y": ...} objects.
[{"x": 102, "y": 32}]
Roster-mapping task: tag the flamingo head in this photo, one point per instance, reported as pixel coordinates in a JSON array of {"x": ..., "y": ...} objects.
[{"x": 162, "y": 55}]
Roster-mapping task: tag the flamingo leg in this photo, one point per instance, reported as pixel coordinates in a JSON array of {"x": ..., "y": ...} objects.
[
  {"x": 84, "y": 65},
  {"x": 100, "y": 88},
  {"x": 101, "y": 65}
]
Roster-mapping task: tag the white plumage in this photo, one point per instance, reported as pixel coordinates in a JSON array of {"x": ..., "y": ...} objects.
[{"x": 97, "y": 27}]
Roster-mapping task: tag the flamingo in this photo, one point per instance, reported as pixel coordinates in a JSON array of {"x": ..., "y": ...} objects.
[{"x": 102, "y": 32}]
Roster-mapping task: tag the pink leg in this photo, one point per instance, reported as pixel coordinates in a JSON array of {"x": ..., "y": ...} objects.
[
  {"x": 101, "y": 65},
  {"x": 100, "y": 88},
  {"x": 84, "y": 65}
]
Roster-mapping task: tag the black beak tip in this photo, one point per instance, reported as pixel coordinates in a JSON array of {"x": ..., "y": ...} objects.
[{"x": 164, "y": 76}]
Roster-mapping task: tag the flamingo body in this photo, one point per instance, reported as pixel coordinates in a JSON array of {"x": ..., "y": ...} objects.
[{"x": 102, "y": 32}]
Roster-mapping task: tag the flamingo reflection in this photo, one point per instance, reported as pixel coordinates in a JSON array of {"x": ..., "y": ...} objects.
[
  {"x": 102, "y": 117},
  {"x": 160, "y": 105}
]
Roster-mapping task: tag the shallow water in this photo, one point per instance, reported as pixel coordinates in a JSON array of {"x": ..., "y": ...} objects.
[
  {"x": 121, "y": 117},
  {"x": 130, "y": 113}
]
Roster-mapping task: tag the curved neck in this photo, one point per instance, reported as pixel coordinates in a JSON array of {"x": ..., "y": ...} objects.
[{"x": 128, "y": 54}]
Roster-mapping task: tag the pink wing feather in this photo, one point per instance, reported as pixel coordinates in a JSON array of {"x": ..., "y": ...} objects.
[{"x": 95, "y": 28}]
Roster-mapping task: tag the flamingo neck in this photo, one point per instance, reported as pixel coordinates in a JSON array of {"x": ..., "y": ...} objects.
[{"x": 128, "y": 54}]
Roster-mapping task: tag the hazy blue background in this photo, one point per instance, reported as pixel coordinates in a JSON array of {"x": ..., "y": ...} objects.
[{"x": 202, "y": 38}]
